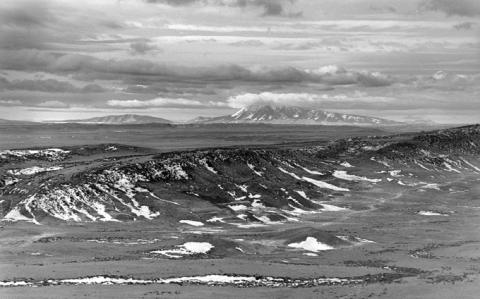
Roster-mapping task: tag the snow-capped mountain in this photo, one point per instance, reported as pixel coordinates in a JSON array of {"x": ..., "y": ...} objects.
[
  {"x": 121, "y": 120},
  {"x": 294, "y": 115}
]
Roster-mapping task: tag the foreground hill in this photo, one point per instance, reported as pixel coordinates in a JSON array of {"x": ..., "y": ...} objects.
[
  {"x": 294, "y": 115},
  {"x": 123, "y": 119},
  {"x": 262, "y": 184},
  {"x": 379, "y": 215}
]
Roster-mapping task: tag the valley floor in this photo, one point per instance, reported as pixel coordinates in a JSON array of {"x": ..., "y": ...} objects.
[{"x": 426, "y": 256}]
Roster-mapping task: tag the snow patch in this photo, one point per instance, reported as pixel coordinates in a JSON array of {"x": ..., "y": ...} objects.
[
  {"x": 15, "y": 215},
  {"x": 33, "y": 170},
  {"x": 290, "y": 173},
  {"x": 346, "y": 164},
  {"x": 471, "y": 165},
  {"x": 302, "y": 194},
  {"x": 244, "y": 188},
  {"x": 311, "y": 244},
  {"x": 189, "y": 248},
  {"x": 207, "y": 166},
  {"x": 431, "y": 213},
  {"x": 341, "y": 174},
  {"x": 312, "y": 171},
  {"x": 51, "y": 154},
  {"x": 354, "y": 239},
  {"x": 253, "y": 169},
  {"x": 238, "y": 207},
  {"x": 331, "y": 208},
  {"x": 395, "y": 173},
  {"x": 209, "y": 280},
  {"x": 434, "y": 186},
  {"x": 191, "y": 222},
  {"x": 324, "y": 185},
  {"x": 215, "y": 219},
  {"x": 450, "y": 168}
]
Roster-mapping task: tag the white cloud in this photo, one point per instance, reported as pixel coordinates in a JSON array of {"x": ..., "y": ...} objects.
[
  {"x": 302, "y": 99},
  {"x": 157, "y": 102},
  {"x": 248, "y": 99},
  {"x": 9, "y": 102}
]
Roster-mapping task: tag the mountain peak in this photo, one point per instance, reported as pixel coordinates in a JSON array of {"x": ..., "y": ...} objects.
[
  {"x": 121, "y": 119},
  {"x": 285, "y": 114}
]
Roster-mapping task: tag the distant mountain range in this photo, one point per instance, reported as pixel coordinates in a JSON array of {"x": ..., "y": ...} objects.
[
  {"x": 15, "y": 122},
  {"x": 255, "y": 114},
  {"x": 294, "y": 115},
  {"x": 123, "y": 119}
]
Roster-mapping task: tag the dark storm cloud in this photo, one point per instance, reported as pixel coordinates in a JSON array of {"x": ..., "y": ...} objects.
[
  {"x": 90, "y": 68},
  {"x": 248, "y": 43},
  {"x": 26, "y": 14},
  {"x": 142, "y": 47},
  {"x": 269, "y": 7},
  {"x": 383, "y": 8},
  {"x": 24, "y": 25},
  {"x": 459, "y": 7},
  {"x": 464, "y": 26},
  {"x": 172, "y": 89},
  {"x": 112, "y": 24},
  {"x": 48, "y": 85},
  {"x": 44, "y": 25},
  {"x": 174, "y": 2}
]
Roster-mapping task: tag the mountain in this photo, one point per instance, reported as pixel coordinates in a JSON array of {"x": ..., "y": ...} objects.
[
  {"x": 294, "y": 115},
  {"x": 15, "y": 122},
  {"x": 121, "y": 120}
]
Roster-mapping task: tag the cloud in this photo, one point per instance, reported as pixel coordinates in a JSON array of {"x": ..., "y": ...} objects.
[
  {"x": 174, "y": 88},
  {"x": 336, "y": 75},
  {"x": 52, "y": 104},
  {"x": 42, "y": 24},
  {"x": 269, "y": 98},
  {"x": 9, "y": 102},
  {"x": 157, "y": 102},
  {"x": 26, "y": 14},
  {"x": 464, "y": 26},
  {"x": 383, "y": 8},
  {"x": 112, "y": 24},
  {"x": 24, "y": 24},
  {"x": 142, "y": 47},
  {"x": 93, "y": 88},
  {"x": 311, "y": 100},
  {"x": 248, "y": 43},
  {"x": 468, "y": 8},
  {"x": 174, "y": 2},
  {"x": 91, "y": 68},
  {"x": 48, "y": 85},
  {"x": 269, "y": 7}
]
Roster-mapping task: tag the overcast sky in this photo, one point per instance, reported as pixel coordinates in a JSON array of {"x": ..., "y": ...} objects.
[{"x": 404, "y": 60}]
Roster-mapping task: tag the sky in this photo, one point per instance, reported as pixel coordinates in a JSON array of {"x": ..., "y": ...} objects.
[{"x": 409, "y": 60}]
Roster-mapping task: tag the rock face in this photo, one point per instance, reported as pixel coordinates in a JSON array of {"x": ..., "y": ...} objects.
[
  {"x": 294, "y": 115},
  {"x": 121, "y": 120},
  {"x": 242, "y": 186}
]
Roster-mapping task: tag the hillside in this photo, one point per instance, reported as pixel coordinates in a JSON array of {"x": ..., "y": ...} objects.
[
  {"x": 294, "y": 115},
  {"x": 120, "y": 120}
]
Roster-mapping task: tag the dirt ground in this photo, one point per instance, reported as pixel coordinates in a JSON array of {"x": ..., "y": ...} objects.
[{"x": 438, "y": 257}]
